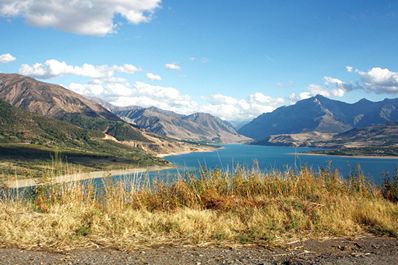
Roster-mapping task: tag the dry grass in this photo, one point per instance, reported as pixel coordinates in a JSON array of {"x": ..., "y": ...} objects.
[{"x": 244, "y": 206}]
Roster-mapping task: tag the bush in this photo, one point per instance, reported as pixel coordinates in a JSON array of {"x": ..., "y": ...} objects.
[{"x": 390, "y": 189}]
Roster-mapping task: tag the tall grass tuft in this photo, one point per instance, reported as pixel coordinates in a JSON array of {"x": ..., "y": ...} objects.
[{"x": 242, "y": 206}]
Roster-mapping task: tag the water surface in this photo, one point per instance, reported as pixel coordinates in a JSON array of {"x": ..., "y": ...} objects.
[{"x": 280, "y": 158}]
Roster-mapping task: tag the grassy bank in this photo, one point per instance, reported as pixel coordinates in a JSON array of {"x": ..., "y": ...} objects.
[{"x": 240, "y": 207}]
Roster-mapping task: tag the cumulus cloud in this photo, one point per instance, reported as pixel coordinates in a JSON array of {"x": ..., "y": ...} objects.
[
  {"x": 331, "y": 87},
  {"x": 7, "y": 58},
  {"x": 54, "y": 68},
  {"x": 120, "y": 92},
  {"x": 378, "y": 80},
  {"x": 153, "y": 77},
  {"x": 172, "y": 66},
  {"x": 85, "y": 17},
  {"x": 230, "y": 108}
]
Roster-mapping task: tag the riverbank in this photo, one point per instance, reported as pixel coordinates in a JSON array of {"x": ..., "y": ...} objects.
[{"x": 23, "y": 183}]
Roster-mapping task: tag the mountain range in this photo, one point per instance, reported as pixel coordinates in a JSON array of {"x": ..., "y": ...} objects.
[
  {"x": 199, "y": 127},
  {"x": 38, "y": 119},
  {"x": 322, "y": 115},
  {"x": 44, "y": 108},
  {"x": 57, "y": 102}
]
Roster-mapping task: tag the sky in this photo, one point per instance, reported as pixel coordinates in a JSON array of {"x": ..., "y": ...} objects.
[{"x": 234, "y": 59}]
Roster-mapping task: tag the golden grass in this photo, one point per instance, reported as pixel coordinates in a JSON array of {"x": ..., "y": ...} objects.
[{"x": 240, "y": 207}]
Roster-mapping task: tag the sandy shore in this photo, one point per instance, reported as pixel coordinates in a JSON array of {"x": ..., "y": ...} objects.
[
  {"x": 346, "y": 156},
  {"x": 23, "y": 183},
  {"x": 204, "y": 150}
]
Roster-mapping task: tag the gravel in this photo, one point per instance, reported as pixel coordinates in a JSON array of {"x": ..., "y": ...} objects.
[{"x": 366, "y": 250}]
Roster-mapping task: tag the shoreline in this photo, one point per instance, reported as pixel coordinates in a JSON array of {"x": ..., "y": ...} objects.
[
  {"x": 33, "y": 182},
  {"x": 25, "y": 183},
  {"x": 346, "y": 156},
  {"x": 204, "y": 150}
]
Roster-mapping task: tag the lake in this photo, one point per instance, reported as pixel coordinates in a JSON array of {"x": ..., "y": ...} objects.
[
  {"x": 279, "y": 158},
  {"x": 267, "y": 158}
]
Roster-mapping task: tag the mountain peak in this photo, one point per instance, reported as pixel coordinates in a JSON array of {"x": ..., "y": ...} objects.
[
  {"x": 198, "y": 126},
  {"x": 319, "y": 96},
  {"x": 364, "y": 101},
  {"x": 57, "y": 102},
  {"x": 321, "y": 114}
]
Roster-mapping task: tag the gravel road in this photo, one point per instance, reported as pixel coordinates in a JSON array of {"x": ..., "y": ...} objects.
[{"x": 367, "y": 250}]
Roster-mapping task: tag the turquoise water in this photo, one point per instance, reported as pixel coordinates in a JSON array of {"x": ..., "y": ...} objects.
[
  {"x": 267, "y": 158},
  {"x": 279, "y": 158}
]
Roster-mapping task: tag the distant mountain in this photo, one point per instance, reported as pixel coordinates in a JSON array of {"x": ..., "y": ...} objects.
[
  {"x": 196, "y": 127},
  {"x": 57, "y": 102},
  {"x": 320, "y": 114}
]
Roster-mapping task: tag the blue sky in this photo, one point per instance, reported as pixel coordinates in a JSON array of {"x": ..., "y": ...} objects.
[{"x": 236, "y": 59}]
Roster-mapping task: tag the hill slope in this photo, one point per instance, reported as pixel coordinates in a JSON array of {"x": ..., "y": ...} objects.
[
  {"x": 195, "y": 127},
  {"x": 384, "y": 135},
  {"x": 60, "y": 103},
  {"x": 323, "y": 115},
  {"x": 19, "y": 126},
  {"x": 28, "y": 143}
]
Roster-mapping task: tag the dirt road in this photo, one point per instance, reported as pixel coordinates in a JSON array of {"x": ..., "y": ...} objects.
[{"x": 367, "y": 250}]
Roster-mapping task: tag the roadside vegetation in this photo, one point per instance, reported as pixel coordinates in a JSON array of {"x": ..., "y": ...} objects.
[{"x": 216, "y": 207}]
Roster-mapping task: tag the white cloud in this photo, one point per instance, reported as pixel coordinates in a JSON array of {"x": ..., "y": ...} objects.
[
  {"x": 120, "y": 92},
  {"x": 230, "y": 108},
  {"x": 153, "y": 77},
  {"x": 7, "y": 58},
  {"x": 378, "y": 80},
  {"x": 172, "y": 66},
  {"x": 349, "y": 68},
  {"x": 53, "y": 68},
  {"x": 85, "y": 17},
  {"x": 331, "y": 87}
]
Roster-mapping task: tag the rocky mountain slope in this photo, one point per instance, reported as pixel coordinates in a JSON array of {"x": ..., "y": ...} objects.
[
  {"x": 40, "y": 120},
  {"x": 320, "y": 114},
  {"x": 384, "y": 135},
  {"x": 195, "y": 127},
  {"x": 19, "y": 126},
  {"x": 30, "y": 144},
  {"x": 57, "y": 102}
]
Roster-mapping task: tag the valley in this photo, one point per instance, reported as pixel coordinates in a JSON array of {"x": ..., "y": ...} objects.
[
  {"x": 43, "y": 125},
  {"x": 198, "y": 132}
]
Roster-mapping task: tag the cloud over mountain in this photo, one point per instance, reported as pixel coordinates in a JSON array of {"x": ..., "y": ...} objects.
[
  {"x": 230, "y": 108},
  {"x": 378, "y": 80},
  {"x": 120, "y": 92},
  {"x": 54, "y": 68}
]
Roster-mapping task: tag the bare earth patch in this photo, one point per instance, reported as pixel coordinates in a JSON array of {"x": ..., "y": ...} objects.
[{"x": 366, "y": 250}]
